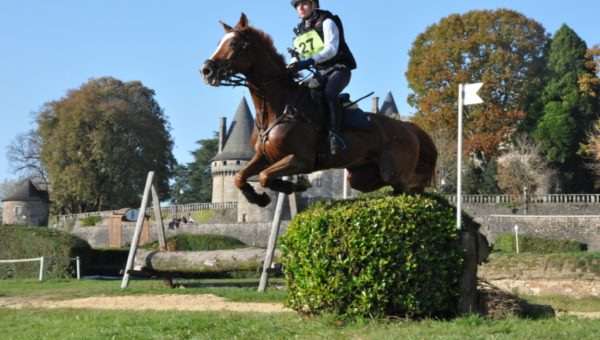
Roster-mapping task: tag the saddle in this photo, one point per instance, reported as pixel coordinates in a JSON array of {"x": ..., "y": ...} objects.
[{"x": 353, "y": 118}]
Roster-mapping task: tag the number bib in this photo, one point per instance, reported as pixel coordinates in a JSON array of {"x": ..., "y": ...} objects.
[{"x": 308, "y": 44}]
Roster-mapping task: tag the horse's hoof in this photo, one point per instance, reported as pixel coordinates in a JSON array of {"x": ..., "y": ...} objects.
[
  {"x": 302, "y": 184},
  {"x": 263, "y": 200}
]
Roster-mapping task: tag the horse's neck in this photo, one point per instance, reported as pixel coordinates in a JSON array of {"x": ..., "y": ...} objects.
[
  {"x": 272, "y": 90},
  {"x": 270, "y": 95}
]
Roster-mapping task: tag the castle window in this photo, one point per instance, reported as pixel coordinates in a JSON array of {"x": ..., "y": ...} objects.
[
  {"x": 318, "y": 182},
  {"x": 237, "y": 162},
  {"x": 18, "y": 211},
  {"x": 224, "y": 162}
]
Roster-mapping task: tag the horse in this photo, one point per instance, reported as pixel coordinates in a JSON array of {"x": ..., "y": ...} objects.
[{"x": 289, "y": 138}]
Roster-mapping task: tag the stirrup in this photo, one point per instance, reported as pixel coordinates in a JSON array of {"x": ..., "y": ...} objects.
[{"x": 336, "y": 143}]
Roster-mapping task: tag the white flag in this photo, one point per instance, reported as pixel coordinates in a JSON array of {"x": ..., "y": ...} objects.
[{"x": 470, "y": 94}]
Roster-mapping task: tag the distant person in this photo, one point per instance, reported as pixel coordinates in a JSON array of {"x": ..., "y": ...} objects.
[
  {"x": 320, "y": 42},
  {"x": 190, "y": 218}
]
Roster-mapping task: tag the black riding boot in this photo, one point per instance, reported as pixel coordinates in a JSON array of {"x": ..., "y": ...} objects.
[{"x": 336, "y": 143}]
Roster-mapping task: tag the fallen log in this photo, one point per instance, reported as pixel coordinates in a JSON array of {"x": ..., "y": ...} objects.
[{"x": 215, "y": 261}]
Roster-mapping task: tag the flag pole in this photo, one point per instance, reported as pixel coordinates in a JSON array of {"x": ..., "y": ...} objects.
[{"x": 461, "y": 95}]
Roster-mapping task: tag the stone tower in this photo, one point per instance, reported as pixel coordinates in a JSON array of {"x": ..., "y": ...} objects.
[
  {"x": 28, "y": 205},
  {"x": 234, "y": 152},
  {"x": 388, "y": 107}
]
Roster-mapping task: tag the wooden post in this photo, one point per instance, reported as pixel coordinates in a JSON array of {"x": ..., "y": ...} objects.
[
  {"x": 272, "y": 242},
  {"x": 467, "y": 301},
  {"x": 160, "y": 227},
  {"x": 138, "y": 229}
]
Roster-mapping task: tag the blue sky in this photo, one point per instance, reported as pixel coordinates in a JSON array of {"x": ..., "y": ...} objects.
[{"x": 49, "y": 47}]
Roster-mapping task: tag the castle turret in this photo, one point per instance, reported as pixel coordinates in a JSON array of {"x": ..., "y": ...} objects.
[
  {"x": 235, "y": 152},
  {"x": 27, "y": 205},
  {"x": 389, "y": 108}
]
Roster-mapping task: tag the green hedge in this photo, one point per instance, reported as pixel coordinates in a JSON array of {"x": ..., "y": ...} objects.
[
  {"x": 374, "y": 257},
  {"x": 199, "y": 242},
  {"x": 57, "y": 247},
  {"x": 535, "y": 244},
  {"x": 90, "y": 221}
]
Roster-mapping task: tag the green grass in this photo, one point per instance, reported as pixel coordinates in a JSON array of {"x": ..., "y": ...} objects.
[
  {"x": 70, "y": 289},
  {"x": 93, "y": 324},
  {"x": 97, "y": 324}
]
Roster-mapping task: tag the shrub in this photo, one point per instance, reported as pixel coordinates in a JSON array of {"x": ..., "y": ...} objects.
[
  {"x": 90, "y": 221},
  {"x": 199, "y": 242},
  {"x": 57, "y": 247},
  {"x": 374, "y": 257},
  {"x": 536, "y": 244}
]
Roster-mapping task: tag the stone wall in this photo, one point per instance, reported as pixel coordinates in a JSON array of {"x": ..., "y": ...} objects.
[
  {"x": 581, "y": 228},
  {"x": 253, "y": 234}
]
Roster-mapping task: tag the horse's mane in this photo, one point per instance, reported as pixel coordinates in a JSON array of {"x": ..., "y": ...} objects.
[{"x": 268, "y": 43}]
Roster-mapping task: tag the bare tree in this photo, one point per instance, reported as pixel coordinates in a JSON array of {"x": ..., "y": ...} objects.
[
  {"x": 592, "y": 150},
  {"x": 522, "y": 167},
  {"x": 445, "y": 142},
  {"x": 8, "y": 188},
  {"x": 23, "y": 155}
]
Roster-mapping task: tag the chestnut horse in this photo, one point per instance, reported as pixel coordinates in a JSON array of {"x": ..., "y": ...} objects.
[{"x": 289, "y": 140}]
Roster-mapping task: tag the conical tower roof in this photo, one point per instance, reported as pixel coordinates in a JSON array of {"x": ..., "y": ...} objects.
[
  {"x": 238, "y": 143},
  {"x": 26, "y": 191},
  {"x": 389, "y": 108}
]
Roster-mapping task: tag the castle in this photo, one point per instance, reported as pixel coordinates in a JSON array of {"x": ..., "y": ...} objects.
[{"x": 234, "y": 152}]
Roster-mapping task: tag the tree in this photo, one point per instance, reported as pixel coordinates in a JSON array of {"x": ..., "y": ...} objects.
[
  {"x": 521, "y": 167},
  {"x": 99, "y": 142},
  {"x": 502, "y": 48},
  {"x": 589, "y": 82},
  {"x": 445, "y": 141},
  {"x": 591, "y": 150},
  {"x": 193, "y": 182},
  {"x": 23, "y": 155},
  {"x": 7, "y": 188},
  {"x": 567, "y": 111}
]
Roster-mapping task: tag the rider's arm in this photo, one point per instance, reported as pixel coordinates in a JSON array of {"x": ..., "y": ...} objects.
[{"x": 331, "y": 40}]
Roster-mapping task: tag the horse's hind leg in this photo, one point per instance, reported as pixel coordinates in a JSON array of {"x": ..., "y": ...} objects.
[
  {"x": 397, "y": 167},
  {"x": 365, "y": 178}
]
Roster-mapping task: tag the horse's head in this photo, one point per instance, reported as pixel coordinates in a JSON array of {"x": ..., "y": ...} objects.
[{"x": 232, "y": 55}]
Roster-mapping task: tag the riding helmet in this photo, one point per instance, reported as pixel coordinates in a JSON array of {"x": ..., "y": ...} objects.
[{"x": 295, "y": 2}]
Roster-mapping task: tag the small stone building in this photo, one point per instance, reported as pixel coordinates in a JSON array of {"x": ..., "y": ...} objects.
[{"x": 27, "y": 205}]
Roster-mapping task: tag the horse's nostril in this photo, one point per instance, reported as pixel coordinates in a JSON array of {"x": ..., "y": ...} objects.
[{"x": 206, "y": 71}]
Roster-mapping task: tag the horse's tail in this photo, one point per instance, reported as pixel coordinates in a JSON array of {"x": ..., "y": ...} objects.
[{"x": 428, "y": 155}]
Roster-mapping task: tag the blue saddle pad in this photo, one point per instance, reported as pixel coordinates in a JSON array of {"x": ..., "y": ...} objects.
[{"x": 356, "y": 119}]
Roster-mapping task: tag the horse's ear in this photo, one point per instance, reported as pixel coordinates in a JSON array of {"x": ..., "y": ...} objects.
[
  {"x": 243, "y": 23},
  {"x": 226, "y": 27}
]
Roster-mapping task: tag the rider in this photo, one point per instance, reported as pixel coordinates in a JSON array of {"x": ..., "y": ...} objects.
[{"x": 320, "y": 43}]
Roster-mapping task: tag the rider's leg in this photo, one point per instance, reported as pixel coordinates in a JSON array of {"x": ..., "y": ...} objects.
[{"x": 336, "y": 82}]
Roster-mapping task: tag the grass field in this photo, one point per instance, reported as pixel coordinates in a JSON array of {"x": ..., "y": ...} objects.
[{"x": 38, "y": 323}]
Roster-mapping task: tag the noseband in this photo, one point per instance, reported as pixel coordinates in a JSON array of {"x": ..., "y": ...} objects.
[{"x": 225, "y": 73}]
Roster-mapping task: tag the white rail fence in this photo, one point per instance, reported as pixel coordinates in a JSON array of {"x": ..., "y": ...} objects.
[
  {"x": 550, "y": 198},
  {"x": 41, "y": 259},
  {"x": 467, "y": 199},
  {"x": 173, "y": 209}
]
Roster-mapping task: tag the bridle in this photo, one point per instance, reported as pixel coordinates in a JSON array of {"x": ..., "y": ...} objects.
[
  {"x": 224, "y": 70},
  {"x": 227, "y": 77}
]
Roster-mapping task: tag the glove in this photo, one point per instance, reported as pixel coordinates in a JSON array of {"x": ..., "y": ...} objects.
[{"x": 302, "y": 64}]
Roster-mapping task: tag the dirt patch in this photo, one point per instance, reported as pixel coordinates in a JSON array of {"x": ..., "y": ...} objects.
[{"x": 203, "y": 302}]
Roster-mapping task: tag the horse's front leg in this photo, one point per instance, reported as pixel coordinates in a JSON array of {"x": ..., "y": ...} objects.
[
  {"x": 287, "y": 166},
  {"x": 254, "y": 167}
]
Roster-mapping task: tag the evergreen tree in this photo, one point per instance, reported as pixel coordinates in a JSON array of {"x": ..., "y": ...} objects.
[
  {"x": 193, "y": 182},
  {"x": 567, "y": 111}
]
